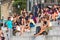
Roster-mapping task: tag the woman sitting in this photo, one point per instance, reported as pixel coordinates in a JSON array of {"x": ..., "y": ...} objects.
[
  {"x": 44, "y": 26},
  {"x": 27, "y": 26}
]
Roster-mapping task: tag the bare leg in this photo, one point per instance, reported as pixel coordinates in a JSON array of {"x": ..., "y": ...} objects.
[{"x": 22, "y": 30}]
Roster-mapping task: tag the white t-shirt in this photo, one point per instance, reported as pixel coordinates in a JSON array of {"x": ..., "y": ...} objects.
[
  {"x": 58, "y": 14},
  {"x": 11, "y": 18},
  {"x": 18, "y": 28}
]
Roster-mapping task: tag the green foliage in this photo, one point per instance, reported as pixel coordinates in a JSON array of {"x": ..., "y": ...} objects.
[
  {"x": 21, "y": 3},
  {"x": 0, "y": 12}
]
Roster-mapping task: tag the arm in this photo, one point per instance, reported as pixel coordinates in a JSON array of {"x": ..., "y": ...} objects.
[
  {"x": 31, "y": 21},
  {"x": 48, "y": 23},
  {"x": 40, "y": 32}
]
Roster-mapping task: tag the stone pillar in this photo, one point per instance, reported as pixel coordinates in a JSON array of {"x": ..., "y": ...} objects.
[
  {"x": 56, "y": 1},
  {"x": 35, "y": 1},
  {"x": 27, "y": 5},
  {"x": 38, "y": 1},
  {"x": 31, "y": 4},
  {"x": 42, "y": 1}
]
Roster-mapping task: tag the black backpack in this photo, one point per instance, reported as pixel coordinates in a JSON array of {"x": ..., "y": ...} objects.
[{"x": 38, "y": 28}]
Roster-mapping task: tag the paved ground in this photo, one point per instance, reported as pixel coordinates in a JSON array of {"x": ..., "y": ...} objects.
[{"x": 54, "y": 34}]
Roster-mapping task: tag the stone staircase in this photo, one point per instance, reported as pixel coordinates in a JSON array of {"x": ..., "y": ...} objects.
[{"x": 54, "y": 34}]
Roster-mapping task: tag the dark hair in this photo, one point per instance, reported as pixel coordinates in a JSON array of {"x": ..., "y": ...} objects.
[
  {"x": 45, "y": 22},
  {"x": 9, "y": 18},
  {"x": 31, "y": 13},
  {"x": 0, "y": 28}
]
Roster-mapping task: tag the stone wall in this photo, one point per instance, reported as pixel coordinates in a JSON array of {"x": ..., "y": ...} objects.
[{"x": 4, "y": 10}]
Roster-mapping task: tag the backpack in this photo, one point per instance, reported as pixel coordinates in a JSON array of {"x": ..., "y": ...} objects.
[
  {"x": 38, "y": 28},
  {"x": 32, "y": 25}
]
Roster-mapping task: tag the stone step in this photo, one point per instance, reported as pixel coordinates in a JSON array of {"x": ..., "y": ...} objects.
[{"x": 53, "y": 37}]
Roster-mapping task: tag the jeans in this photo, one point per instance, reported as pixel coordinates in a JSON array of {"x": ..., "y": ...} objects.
[{"x": 9, "y": 34}]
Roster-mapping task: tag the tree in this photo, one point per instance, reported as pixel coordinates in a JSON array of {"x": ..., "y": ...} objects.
[
  {"x": 19, "y": 4},
  {"x": 0, "y": 12}
]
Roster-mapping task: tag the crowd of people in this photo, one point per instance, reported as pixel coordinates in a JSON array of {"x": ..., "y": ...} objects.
[{"x": 25, "y": 21}]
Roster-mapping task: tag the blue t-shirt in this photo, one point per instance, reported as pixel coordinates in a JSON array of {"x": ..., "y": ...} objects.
[{"x": 9, "y": 24}]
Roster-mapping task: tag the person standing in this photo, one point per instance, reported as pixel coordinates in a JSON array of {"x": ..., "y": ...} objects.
[
  {"x": 35, "y": 10},
  {"x": 9, "y": 26}
]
